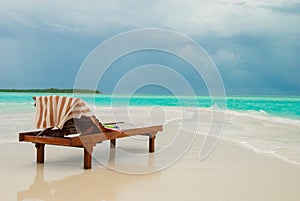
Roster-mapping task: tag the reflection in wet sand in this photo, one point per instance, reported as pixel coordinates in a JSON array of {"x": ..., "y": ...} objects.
[{"x": 92, "y": 185}]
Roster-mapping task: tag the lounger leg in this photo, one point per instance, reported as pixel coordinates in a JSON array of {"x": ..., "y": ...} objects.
[
  {"x": 112, "y": 156},
  {"x": 88, "y": 158},
  {"x": 40, "y": 150},
  {"x": 112, "y": 143},
  {"x": 151, "y": 143}
]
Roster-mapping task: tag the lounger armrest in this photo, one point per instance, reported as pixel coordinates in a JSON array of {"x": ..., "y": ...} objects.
[{"x": 113, "y": 123}]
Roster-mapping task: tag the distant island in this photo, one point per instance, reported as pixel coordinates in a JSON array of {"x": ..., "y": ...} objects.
[{"x": 53, "y": 90}]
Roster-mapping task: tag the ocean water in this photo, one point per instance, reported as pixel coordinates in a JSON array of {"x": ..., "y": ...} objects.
[
  {"x": 269, "y": 125},
  {"x": 285, "y": 107}
]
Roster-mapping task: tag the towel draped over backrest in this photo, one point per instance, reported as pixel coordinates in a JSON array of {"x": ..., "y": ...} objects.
[{"x": 54, "y": 111}]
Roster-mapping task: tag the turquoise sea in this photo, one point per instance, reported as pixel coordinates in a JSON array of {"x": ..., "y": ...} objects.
[
  {"x": 269, "y": 125},
  {"x": 285, "y": 107}
]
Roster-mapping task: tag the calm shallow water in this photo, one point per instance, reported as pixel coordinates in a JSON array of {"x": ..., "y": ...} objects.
[{"x": 287, "y": 107}]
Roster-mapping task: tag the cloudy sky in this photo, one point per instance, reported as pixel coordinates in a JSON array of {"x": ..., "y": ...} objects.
[{"x": 255, "y": 44}]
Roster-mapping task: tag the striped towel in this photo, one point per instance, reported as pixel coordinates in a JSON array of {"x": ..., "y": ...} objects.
[{"x": 54, "y": 111}]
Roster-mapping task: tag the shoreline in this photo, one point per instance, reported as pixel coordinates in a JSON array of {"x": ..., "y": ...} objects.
[
  {"x": 166, "y": 115},
  {"x": 244, "y": 145}
]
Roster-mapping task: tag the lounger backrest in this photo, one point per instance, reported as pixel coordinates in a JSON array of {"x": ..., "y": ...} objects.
[
  {"x": 83, "y": 124},
  {"x": 54, "y": 111}
]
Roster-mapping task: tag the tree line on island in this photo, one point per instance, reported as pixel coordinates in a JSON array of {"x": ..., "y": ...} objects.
[{"x": 53, "y": 90}]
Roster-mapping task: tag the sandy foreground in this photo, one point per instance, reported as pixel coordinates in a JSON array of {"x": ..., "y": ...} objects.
[{"x": 231, "y": 172}]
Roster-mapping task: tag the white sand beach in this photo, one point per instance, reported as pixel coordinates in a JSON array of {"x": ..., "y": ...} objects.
[{"x": 230, "y": 172}]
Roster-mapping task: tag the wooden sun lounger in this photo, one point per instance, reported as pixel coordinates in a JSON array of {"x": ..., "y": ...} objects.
[{"x": 89, "y": 132}]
